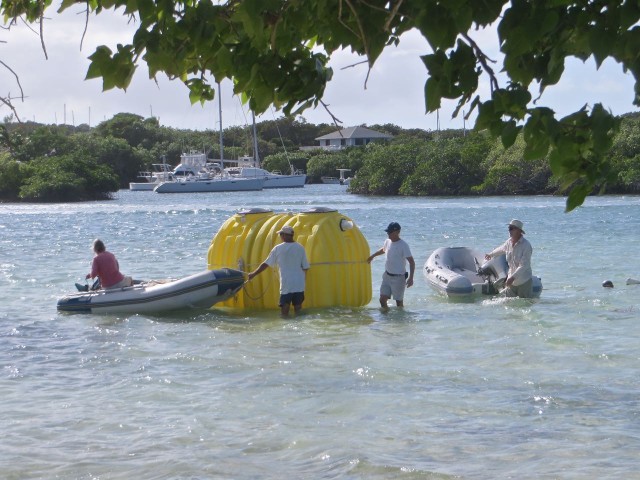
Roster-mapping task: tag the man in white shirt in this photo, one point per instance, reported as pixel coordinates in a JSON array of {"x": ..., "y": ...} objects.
[
  {"x": 518, "y": 251},
  {"x": 292, "y": 262},
  {"x": 395, "y": 277}
]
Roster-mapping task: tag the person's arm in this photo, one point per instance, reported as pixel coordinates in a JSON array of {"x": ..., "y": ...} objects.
[
  {"x": 260, "y": 269},
  {"x": 497, "y": 251},
  {"x": 305, "y": 261},
  {"x": 375, "y": 254},
  {"x": 94, "y": 269},
  {"x": 412, "y": 269}
]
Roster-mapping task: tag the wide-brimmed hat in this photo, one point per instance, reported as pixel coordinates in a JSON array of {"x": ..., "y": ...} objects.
[
  {"x": 517, "y": 223},
  {"x": 287, "y": 230},
  {"x": 393, "y": 227}
]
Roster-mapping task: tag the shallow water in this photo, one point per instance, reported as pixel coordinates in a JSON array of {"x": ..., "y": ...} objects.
[{"x": 491, "y": 388}]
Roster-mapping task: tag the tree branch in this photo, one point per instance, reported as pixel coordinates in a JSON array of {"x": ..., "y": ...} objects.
[
  {"x": 336, "y": 120},
  {"x": 7, "y": 102},
  {"x": 86, "y": 26},
  {"x": 360, "y": 63},
  {"x": 44, "y": 47},
  {"x": 341, "y": 21},
  {"x": 362, "y": 35},
  {"x": 354, "y": 64},
  {"x": 17, "y": 79},
  {"x": 484, "y": 61},
  {"x": 392, "y": 15}
]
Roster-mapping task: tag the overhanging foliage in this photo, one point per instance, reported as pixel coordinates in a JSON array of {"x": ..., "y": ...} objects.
[{"x": 277, "y": 53}]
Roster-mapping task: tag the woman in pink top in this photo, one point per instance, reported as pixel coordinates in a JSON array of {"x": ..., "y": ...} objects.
[{"x": 105, "y": 266}]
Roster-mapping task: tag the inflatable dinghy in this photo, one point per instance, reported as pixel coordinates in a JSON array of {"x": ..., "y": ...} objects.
[
  {"x": 456, "y": 271},
  {"x": 201, "y": 290}
]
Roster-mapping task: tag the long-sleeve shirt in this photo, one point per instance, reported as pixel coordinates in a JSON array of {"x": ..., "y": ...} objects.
[
  {"x": 106, "y": 267},
  {"x": 518, "y": 259}
]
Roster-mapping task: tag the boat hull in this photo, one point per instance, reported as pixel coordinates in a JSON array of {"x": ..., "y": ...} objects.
[
  {"x": 330, "y": 180},
  {"x": 285, "y": 181},
  {"x": 201, "y": 290},
  {"x": 142, "y": 186},
  {"x": 453, "y": 271},
  {"x": 213, "y": 185},
  {"x": 271, "y": 180}
]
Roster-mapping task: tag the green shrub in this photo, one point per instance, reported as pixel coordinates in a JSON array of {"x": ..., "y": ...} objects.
[
  {"x": 66, "y": 179},
  {"x": 11, "y": 177}
]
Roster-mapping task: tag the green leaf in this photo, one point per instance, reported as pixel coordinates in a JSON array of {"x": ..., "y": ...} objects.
[
  {"x": 100, "y": 60},
  {"x": 436, "y": 25},
  {"x": 509, "y": 133},
  {"x": 601, "y": 42},
  {"x": 536, "y": 140},
  {"x": 577, "y": 195},
  {"x": 432, "y": 95}
]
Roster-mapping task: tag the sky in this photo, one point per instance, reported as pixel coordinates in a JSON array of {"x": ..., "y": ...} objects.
[{"x": 55, "y": 91}]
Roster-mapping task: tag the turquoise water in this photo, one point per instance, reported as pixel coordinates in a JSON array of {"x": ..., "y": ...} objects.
[{"x": 492, "y": 388}]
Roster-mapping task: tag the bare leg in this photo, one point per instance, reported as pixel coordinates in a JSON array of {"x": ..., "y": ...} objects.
[
  {"x": 284, "y": 310},
  {"x": 400, "y": 303},
  {"x": 383, "y": 301},
  {"x": 297, "y": 308}
]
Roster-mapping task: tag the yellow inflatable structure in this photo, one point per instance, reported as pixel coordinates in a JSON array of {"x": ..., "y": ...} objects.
[{"x": 337, "y": 251}]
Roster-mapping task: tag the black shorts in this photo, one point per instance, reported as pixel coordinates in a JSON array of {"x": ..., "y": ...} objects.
[{"x": 295, "y": 298}]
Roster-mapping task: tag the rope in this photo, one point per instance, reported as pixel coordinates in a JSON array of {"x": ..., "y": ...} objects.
[
  {"x": 254, "y": 298},
  {"x": 338, "y": 263},
  {"x": 274, "y": 269},
  {"x": 286, "y": 155},
  {"x": 259, "y": 296}
]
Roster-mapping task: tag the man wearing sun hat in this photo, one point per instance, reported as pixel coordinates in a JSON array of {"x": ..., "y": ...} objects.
[
  {"x": 395, "y": 277},
  {"x": 292, "y": 262},
  {"x": 518, "y": 251}
]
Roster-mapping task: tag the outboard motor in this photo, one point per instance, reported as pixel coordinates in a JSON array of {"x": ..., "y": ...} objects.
[
  {"x": 496, "y": 267},
  {"x": 486, "y": 270},
  {"x": 495, "y": 270}
]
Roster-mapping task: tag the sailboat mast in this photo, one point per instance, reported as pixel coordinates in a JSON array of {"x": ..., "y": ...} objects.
[
  {"x": 256, "y": 157},
  {"x": 220, "y": 116}
]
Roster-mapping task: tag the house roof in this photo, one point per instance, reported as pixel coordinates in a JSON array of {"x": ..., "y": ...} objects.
[{"x": 353, "y": 132}]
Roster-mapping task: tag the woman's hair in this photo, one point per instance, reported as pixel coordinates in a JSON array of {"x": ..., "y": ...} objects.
[{"x": 98, "y": 246}]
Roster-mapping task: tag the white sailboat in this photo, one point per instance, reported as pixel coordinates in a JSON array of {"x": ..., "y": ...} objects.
[
  {"x": 208, "y": 176},
  {"x": 160, "y": 172},
  {"x": 210, "y": 183},
  {"x": 250, "y": 168}
]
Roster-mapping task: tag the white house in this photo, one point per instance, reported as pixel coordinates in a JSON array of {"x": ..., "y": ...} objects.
[{"x": 349, "y": 137}]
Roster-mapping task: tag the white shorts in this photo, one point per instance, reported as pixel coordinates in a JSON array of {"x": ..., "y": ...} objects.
[
  {"x": 125, "y": 282},
  {"x": 393, "y": 286}
]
